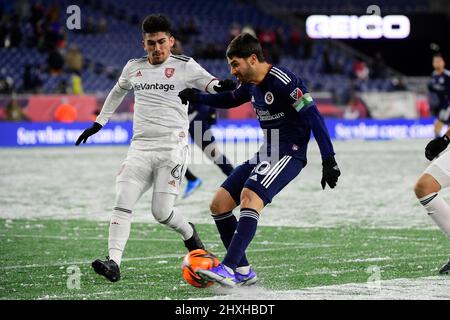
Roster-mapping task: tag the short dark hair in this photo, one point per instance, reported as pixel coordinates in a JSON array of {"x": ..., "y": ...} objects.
[
  {"x": 243, "y": 46},
  {"x": 438, "y": 55},
  {"x": 156, "y": 23}
]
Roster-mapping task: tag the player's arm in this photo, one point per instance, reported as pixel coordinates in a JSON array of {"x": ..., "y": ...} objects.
[
  {"x": 330, "y": 168},
  {"x": 224, "y": 100},
  {"x": 300, "y": 99},
  {"x": 197, "y": 77},
  {"x": 110, "y": 105},
  {"x": 319, "y": 129}
]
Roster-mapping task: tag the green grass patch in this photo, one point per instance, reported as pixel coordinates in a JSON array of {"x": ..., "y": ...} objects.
[{"x": 35, "y": 256}]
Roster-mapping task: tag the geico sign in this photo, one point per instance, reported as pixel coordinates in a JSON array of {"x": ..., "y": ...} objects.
[{"x": 353, "y": 27}]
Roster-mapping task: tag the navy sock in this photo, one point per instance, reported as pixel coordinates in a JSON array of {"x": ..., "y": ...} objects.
[
  {"x": 244, "y": 234},
  {"x": 226, "y": 225},
  {"x": 224, "y": 164}
]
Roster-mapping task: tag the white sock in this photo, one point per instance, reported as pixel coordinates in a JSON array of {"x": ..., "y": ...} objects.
[
  {"x": 243, "y": 270},
  {"x": 119, "y": 231},
  {"x": 178, "y": 222},
  {"x": 438, "y": 210},
  {"x": 229, "y": 269},
  {"x": 164, "y": 212}
]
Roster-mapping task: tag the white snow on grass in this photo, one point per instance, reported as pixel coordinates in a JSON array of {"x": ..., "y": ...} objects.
[
  {"x": 374, "y": 190},
  {"x": 427, "y": 288}
]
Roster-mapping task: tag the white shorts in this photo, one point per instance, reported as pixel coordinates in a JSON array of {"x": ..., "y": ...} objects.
[
  {"x": 440, "y": 169},
  {"x": 162, "y": 169}
]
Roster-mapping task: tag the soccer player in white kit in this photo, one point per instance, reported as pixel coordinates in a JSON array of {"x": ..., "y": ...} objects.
[
  {"x": 159, "y": 148},
  {"x": 435, "y": 177}
]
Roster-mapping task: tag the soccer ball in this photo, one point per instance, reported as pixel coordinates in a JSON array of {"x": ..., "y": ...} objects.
[{"x": 194, "y": 260}]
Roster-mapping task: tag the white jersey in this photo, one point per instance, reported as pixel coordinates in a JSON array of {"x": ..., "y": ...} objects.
[{"x": 159, "y": 116}]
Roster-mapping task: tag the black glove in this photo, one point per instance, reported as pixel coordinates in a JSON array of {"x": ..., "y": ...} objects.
[
  {"x": 330, "y": 173},
  {"x": 89, "y": 132},
  {"x": 188, "y": 95},
  {"x": 225, "y": 85},
  {"x": 436, "y": 146}
]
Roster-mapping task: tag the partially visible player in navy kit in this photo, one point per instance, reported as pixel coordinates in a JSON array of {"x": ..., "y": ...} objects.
[
  {"x": 285, "y": 111},
  {"x": 440, "y": 85},
  {"x": 201, "y": 118}
]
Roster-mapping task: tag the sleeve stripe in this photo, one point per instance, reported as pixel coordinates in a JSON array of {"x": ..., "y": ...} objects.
[
  {"x": 281, "y": 73},
  {"x": 182, "y": 58},
  {"x": 279, "y": 77}
]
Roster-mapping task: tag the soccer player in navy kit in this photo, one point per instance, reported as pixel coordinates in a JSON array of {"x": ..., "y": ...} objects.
[
  {"x": 201, "y": 118},
  {"x": 440, "y": 86},
  {"x": 287, "y": 114}
]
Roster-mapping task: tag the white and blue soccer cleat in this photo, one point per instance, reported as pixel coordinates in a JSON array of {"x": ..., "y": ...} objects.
[
  {"x": 192, "y": 186},
  {"x": 218, "y": 274},
  {"x": 246, "y": 279}
]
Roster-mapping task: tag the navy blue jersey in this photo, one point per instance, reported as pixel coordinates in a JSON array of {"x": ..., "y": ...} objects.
[
  {"x": 201, "y": 118},
  {"x": 440, "y": 85},
  {"x": 282, "y": 102},
  {"x": 201, "y": 112}
]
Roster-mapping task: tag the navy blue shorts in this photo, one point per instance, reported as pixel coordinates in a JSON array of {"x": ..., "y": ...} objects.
[{"x": 264, "y": 176}]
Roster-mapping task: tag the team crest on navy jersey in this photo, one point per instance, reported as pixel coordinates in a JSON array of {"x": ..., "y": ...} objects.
[
  {"x": 296, "y": 94},
  {"x": 169, "y": 72},
  {"x": 268, "y": 97}
]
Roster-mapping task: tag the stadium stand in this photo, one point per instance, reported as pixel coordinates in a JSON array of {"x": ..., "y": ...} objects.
[{"x": 109, "y": 36}]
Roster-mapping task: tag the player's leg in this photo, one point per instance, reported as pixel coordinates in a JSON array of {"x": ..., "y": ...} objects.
[
  {"x": 267, "y": 180},
  {"x": 167, "y": 182},
  {"x": 438, "y": 127},
  {"x": 165, "y": 212},
  {"x": 129, "y": 188},
  {"x": 203, "y": 137},
  {"x": 443, "y": 117},
  {"x": 225, "y": 200},
  {"x": 193, "y": 183},
  {"x": 435, "y": 177},
  {"x": 131, "y": 182},
  {"x": 219, "y": 159}
]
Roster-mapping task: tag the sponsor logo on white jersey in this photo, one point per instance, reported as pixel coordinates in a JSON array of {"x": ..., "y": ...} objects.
[{"x": 154, "y": 86}]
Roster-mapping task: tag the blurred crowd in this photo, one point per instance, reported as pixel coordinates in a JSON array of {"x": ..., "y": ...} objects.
[
  {"x": 34, "y": 25},
  {"x": 27, "y": 25}
]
